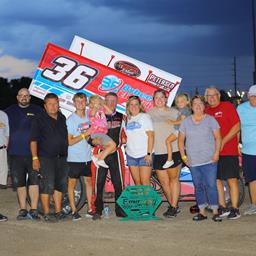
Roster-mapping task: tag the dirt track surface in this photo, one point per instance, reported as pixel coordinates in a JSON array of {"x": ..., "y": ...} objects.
[{"x": 179, "y": 236}]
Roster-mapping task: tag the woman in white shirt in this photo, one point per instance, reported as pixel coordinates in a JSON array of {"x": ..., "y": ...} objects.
[{"x": 140, "y": 140}]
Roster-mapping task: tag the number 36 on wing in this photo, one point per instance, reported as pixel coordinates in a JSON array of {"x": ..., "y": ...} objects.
[{"x": 65, "y": 73}]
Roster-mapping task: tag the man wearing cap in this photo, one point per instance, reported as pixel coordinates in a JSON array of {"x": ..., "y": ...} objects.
[
  {"x": 228, "y": 165},
  {"x": 247, "y": 114}
]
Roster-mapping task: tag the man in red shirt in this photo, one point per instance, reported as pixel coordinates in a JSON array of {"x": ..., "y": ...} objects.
[{"x": 228, "y": 165}]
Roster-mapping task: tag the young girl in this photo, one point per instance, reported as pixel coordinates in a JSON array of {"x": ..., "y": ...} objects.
[
  {"x": 99, "y": 129},
  {"x": 182, "y": 103}
]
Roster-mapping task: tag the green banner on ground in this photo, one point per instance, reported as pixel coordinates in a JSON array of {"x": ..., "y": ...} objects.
[{"x": 139, "y": 203}]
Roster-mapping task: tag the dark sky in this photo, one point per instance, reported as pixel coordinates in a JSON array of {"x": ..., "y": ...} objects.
[{"x": 194, "y": 39}]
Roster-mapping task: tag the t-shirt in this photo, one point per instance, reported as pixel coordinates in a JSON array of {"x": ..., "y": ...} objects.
[
  {"x": 137, "y": 139},
  {"x": 20, "y": 125},
  {"x": 4, "y": 129},
  {"x": 51, "y": 135},
  {"x": 162, "y": 129},
  {"x": 98, "y": 122},
  {"x": 226, "y": 115},
  {"x": 81, "y": 151},
  {"x": 182, "y": 112},
  {"x": 247, "y": 114},
  {"x": 200, "y": 142}
]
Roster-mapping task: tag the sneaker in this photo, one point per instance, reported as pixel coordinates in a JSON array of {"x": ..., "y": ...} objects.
[
  {"x": 102, "y": 163},
  {"x": 199, "y": 217},
  {"x": 33, "y": 215},
  {"x": 60, "y": 216},
  {"x": 223, "y": 211},
  {"x": 250, "y": 210},
  {"x": 76, "y": 216},
  {"x": 216, "y": 218},
  {"x": 23, "y": 215},
  {"x": 168, "y": 164},
  {"x": 171, "y": 212},
  {"x": 3, "y": 218},
  {"x": 95, "y": 161},
  {"x": 96, "y": 216},
  {"x": 234, "y": 214},
  {"x": 49, "y": 218},
  {"x": 89, "y": 214}
]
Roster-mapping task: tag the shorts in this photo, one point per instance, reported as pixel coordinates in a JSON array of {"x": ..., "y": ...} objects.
[
  {"x": 22, "y": 172},
  {"x": 249, "y": 167},
  {"x": 228, "y": 168},
  {"x": 105, "y": 138},
  {"x": 54, "y": 172},
  {"x": 3, "y": 166},
  {"x": 159, "y": 160},
  {"x": 79, "y": 169},
  {"x": 140, "y": 161}
]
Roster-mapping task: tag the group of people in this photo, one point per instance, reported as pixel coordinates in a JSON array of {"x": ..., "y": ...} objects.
[
  {"x": 207, "y": 141},
  {"x": 48, "y": 153},
  {"x": 54, "y": 152}
]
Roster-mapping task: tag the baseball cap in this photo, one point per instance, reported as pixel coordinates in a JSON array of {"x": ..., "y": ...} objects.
[{"x": 252, "y": 90}]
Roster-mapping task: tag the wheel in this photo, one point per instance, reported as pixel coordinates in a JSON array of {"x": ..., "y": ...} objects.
[
  {"x": 156, "y": 184},
  {"x": 79, "y": 194},
  {"x": 241, "y": 192}
]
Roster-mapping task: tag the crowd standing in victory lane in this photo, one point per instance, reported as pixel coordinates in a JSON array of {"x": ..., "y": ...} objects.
[{"x": 48, "y": 153}]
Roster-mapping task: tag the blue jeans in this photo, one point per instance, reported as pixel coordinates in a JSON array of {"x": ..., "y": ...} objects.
[
  {"x": 131, "y": 161},
  {"x": 204, "y": 179}
]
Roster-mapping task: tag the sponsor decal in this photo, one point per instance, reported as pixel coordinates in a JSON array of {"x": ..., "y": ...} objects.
[
  {"x": 114, "y": 124},
  {"x": 127, "y": 68},
  {"x": 161, "y": 82},
  {"x": 110, "y": 83},
  {"x": 135, "y": 91}
]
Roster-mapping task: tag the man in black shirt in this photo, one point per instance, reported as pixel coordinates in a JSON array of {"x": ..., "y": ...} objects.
[
  {"x": 115, "y": 161},
  {"x": 20, "y": 119},
  {"x": 49, "y": 146}
]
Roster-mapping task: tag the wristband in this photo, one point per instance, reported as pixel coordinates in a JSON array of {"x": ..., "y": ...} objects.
[
  {"x": 34, "y": 158},
  {"x": 149, "y": 154},
  {"x": 82, "y": 135},
  {"x": 184, "y": 158}
]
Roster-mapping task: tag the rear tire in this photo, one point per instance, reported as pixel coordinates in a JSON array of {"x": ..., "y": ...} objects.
[{"x": 79, "y": 194}]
